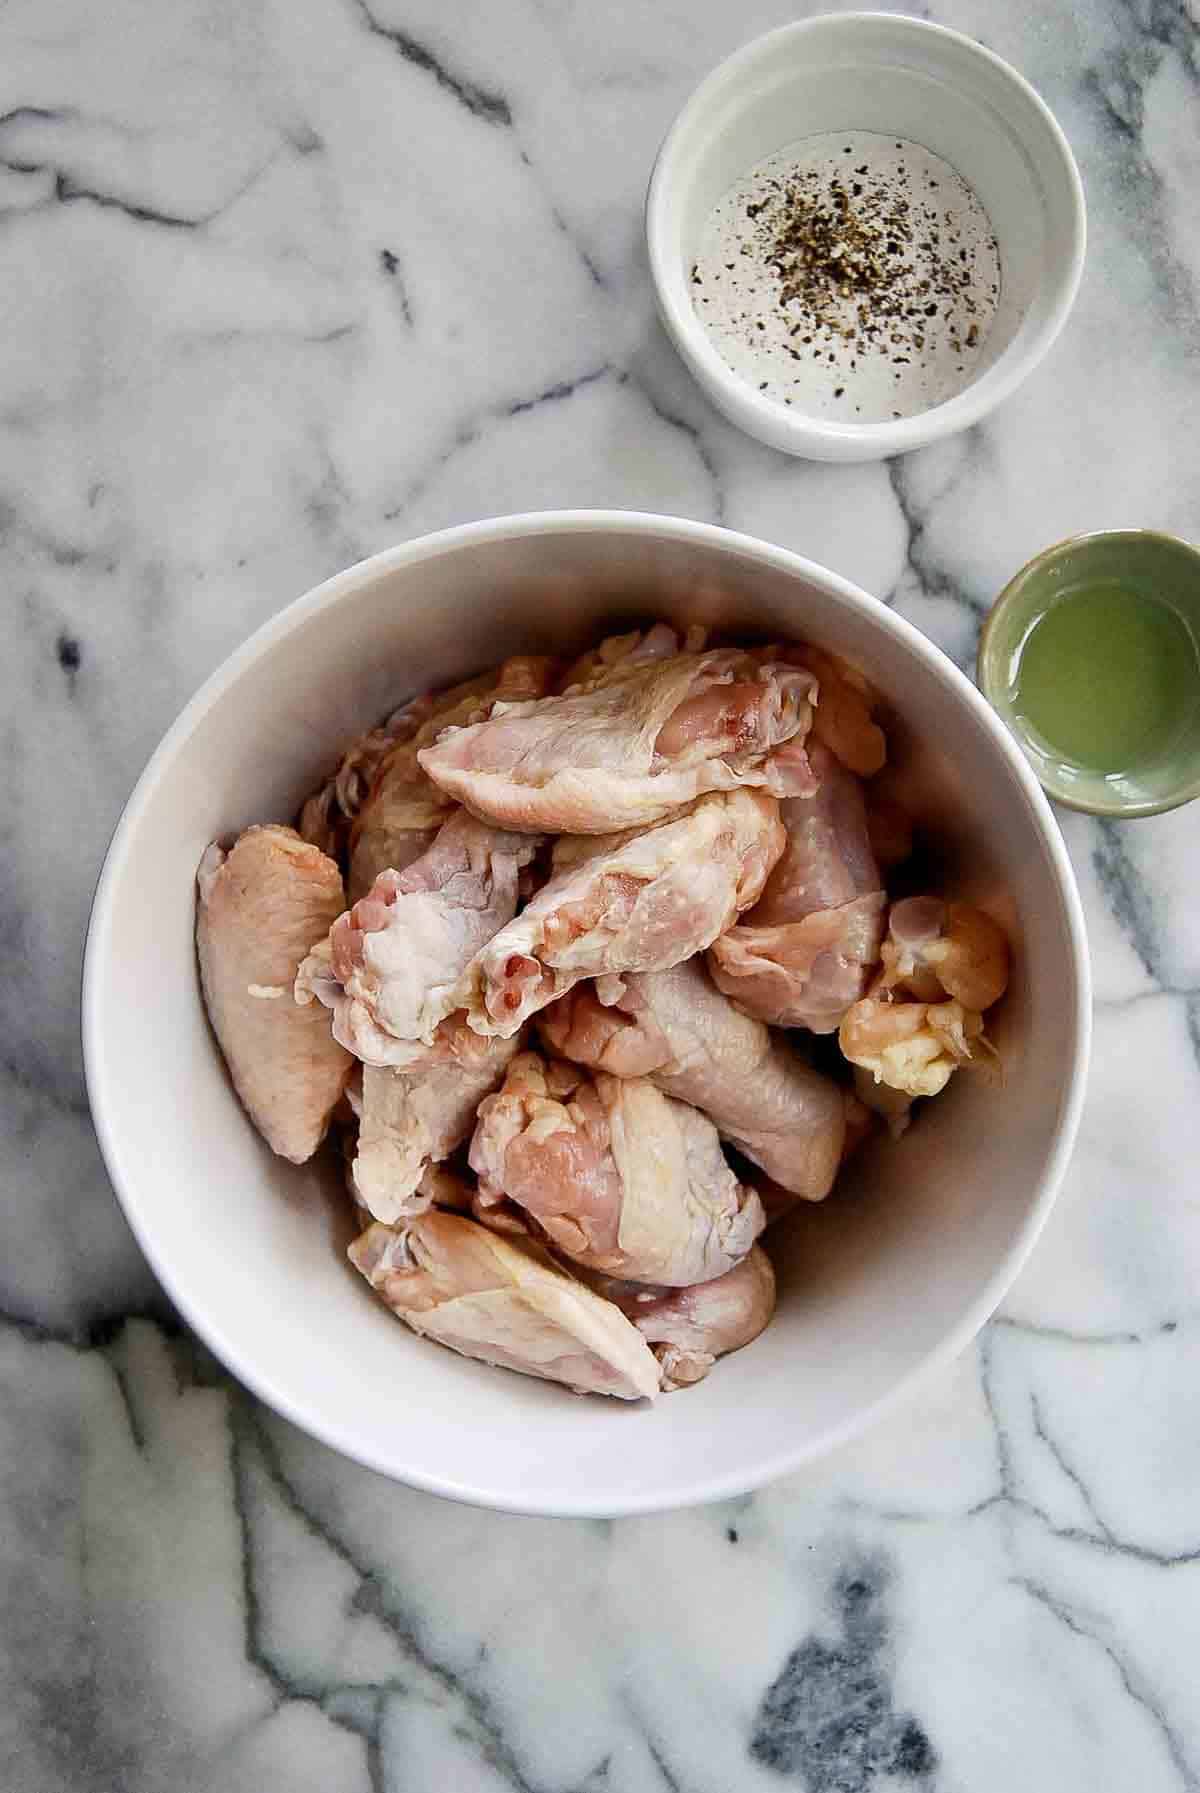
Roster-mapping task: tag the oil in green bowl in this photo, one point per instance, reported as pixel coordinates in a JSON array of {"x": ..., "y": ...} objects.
[
  {"x": 1090, "y": 657},
  {"x": 1105, "y": 678}
]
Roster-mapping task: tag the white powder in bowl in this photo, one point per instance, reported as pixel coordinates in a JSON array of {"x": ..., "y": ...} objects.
[{"x": 852, "y": 277}]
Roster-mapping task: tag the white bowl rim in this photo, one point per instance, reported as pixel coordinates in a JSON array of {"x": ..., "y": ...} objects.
[
  {"x": 332, "y": 591},
  {"x": 862, "y": 440}
]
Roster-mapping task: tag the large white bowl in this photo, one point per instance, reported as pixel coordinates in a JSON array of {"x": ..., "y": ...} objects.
[
  {"x": 878, "y": 1285},
  {"x": 875, "y": 71}
]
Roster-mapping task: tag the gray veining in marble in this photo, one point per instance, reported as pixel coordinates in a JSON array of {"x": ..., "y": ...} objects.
[{"x": 285, "y": 283}]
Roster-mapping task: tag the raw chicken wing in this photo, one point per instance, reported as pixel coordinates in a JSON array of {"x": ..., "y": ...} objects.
[
  {"x": 616, "y": 1175},
  {"x": 843, "y": 720},
  {"x": 936, "y": 949},
  {"x": 414, "y": 1117},
  {"x": 910, "y": 1046},
  {"x": 327, "y": 816},
  {"x": 658, "y": 643},
  {"x": 677, "y": 1029},
  {"x": 390, "y": 966},
  {"x": 647, "y": 902},
  {"x": 690, "y": 1328},
  {"x": 943, "y": 965},
  {"x": 402, "y": 810},
  {"x": 892, "y": 1106},
  {"x": 641, "y": 741},
  {"x": 805, "y": 951},
  {"x": 505, "y": 1301},
  {"x": 260, "y": 907},
  {"x": 663, "y": 851}
]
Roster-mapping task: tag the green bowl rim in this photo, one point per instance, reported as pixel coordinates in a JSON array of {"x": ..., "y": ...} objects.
[{"x": 1118, "y": 808}]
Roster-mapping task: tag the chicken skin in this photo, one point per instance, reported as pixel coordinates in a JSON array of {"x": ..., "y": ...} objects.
[
  {"x": 676, "y": 1028},
  {"x": 505, "y": 1301},
  {"x": 617, "y": 1176},
  {"x": 688, "y": 1329},
  {"x": 806, "y": 950},
  {"x": 943, "y": 964},
  {"x": 391, "y": 966},
  {"x": 327, "y": 817},
  {"x": 645, "y": 902},
  {"x": 402, "y": 811},
  {"x": 631, "y": 746},
  {"x": 413, "y": 1117},
  {"x": 260, "y": 907}
]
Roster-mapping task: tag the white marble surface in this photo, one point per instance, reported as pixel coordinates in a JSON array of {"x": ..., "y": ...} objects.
[{"x": 286, "y": 282}]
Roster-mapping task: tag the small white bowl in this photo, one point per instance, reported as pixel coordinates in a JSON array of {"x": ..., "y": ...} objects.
[
  {"x": 902, "y": 77},
  {"x": 877, "y": 1286}
]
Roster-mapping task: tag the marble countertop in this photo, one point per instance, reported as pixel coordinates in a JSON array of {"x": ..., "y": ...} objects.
[{"x": 285, "y": 283}]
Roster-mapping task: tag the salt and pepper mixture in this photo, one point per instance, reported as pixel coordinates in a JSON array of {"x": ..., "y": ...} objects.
[{"x": 851, "y": 276}]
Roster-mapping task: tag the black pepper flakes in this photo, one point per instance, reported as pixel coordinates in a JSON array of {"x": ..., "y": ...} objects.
[{"x": 869, "y": 264}]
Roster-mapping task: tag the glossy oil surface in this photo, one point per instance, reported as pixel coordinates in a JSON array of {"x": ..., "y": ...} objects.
[
  {"x": 1091, "y": 655},
  {"x": 1106, "y": 679}
]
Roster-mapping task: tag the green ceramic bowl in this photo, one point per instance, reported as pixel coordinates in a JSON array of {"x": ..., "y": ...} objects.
[{"x": 1091, "y": 656}]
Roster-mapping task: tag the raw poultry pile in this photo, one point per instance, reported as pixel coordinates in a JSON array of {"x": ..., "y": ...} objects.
[{"x": 584, "y": 904}]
